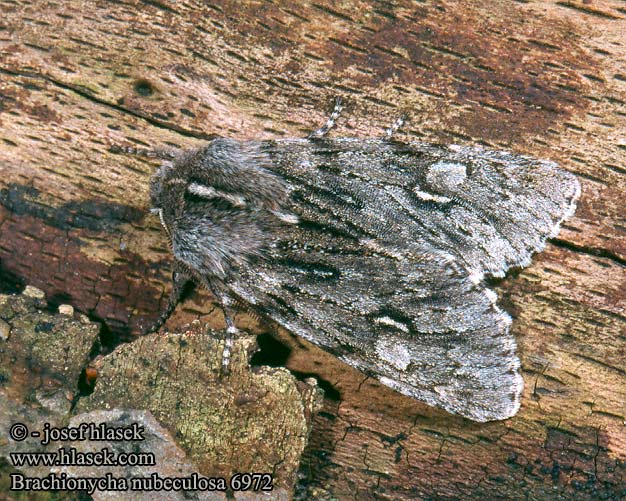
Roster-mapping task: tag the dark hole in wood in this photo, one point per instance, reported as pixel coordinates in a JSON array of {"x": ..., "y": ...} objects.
[
  {"x": 143, "y": 87},
  {"x": 271, "y": 352}
]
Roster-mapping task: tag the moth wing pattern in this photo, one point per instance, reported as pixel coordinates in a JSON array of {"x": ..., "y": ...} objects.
[
  {"x": 385, "y": 267},
  {"x": 419, "y": 325},
  {"x": 374, "y": 250},
  {"x": 492, "y": 209}
]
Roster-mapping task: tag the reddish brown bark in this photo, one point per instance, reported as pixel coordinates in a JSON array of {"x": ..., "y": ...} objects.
[{"x": 543, "y": 78}]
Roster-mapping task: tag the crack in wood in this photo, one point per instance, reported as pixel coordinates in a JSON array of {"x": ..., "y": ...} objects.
[{"x": 84, "y": 93}]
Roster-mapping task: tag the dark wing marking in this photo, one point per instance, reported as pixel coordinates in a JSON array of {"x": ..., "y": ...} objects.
[
  {"x": 491, "y": 209},
  {"x": 415, "y": 322},
  {"x": 383, "y": 263},
  {"x": 385, "y": 266}
]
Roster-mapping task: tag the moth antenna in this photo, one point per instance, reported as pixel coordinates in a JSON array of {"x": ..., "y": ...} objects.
[
  {"x": 395, "y": 126},
  {"x": 162, "y": 153},
  {"x": 322, "y": 131}
]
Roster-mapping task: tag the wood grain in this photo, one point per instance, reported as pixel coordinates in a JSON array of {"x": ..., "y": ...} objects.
[{"x": 546, "y": 78}]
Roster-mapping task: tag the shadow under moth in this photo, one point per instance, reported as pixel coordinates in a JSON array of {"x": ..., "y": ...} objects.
[{"x": 373, "y": 249}]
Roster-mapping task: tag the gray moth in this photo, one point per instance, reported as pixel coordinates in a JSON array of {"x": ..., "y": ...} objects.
[{"x": 374, "y": 249}]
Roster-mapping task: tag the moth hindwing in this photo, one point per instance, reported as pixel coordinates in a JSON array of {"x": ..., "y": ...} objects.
[{"x": 374, "y": 250}]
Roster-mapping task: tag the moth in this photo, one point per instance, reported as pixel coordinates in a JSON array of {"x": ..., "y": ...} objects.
[{"x": 376, "y": 250}]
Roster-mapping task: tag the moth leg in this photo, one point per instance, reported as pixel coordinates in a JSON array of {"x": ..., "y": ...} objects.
[
  {"x": 394, "y": 127},
  {"x": 322, "y": 131},
  {"x": 179, "y": 279},
  {"x": 231, "y": 331},
  {"x": 227, "y": 303}
]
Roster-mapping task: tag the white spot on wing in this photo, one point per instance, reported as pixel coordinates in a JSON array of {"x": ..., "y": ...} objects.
[
  {"x": 493, "y": 297},
  {"x": 394, "y": 353},
  {"x": 429, "y": 197},
  {"x": 393, "y": 384},
  {"x": 392, "y": 323},
  {"x": 476, "y": 276},
  {"x": 448, "y": 174},
  {"x": 286, "y": 218}
]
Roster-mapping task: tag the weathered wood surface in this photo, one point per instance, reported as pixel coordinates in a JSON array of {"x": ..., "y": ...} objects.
[
  {"x": 255, "y": 419},
  {"x": 547, "y": 78}
]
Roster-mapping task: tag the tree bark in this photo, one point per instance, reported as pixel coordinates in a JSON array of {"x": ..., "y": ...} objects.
[{"x": 544, "y": 78}]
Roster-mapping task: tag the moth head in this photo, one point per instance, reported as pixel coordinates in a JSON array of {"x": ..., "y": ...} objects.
[{"x": 159, "y": 203}]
